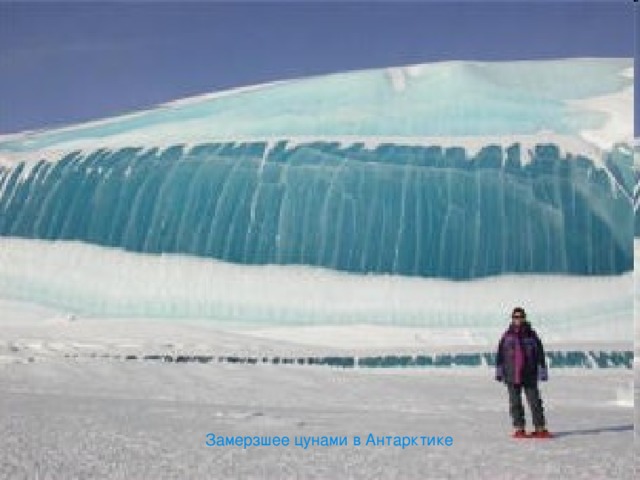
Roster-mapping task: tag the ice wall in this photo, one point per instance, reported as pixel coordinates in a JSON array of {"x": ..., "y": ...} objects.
[
  {"x": 454, "y": 170},
  {"x": 396, "y": 209}
]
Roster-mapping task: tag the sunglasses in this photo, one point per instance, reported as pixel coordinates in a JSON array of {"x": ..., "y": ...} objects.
[{"x": 517, "y": 316}]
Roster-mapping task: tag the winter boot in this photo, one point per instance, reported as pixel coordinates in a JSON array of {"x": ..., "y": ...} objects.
[
  {"x": 541, "y": 432},
  {"x": 520, "y": 433}
]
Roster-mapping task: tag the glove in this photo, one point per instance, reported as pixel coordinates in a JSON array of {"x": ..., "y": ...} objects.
[
  {"x": 543, "y": 375},
  {"x": 499, "y": 378},
  {"x": 499, "y": 374}
]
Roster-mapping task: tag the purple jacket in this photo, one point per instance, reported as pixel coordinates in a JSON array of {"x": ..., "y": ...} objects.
[{"x": 520, "y": 359}]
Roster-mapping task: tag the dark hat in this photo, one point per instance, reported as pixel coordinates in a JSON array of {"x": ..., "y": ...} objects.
[{"x": 519, "y": 310}]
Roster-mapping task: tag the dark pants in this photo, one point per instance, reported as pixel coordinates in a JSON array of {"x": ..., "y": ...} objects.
[{"x": 517, "y": 409}]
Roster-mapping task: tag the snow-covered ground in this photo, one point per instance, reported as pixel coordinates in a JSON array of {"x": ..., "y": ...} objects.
[
  {"x": 67, "y": 418},
  {"x": 68, "y": 411}
]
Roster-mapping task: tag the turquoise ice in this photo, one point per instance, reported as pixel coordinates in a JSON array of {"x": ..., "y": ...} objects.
[{"x": 265, "y": 175}]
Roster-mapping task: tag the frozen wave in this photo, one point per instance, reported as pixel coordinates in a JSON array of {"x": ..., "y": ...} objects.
[
  {"x": 399, "y": 209},
  {"x": 454, "y": 170}
]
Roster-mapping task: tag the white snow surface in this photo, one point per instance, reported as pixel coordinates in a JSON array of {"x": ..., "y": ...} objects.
[{"x": 96, "y": 417}]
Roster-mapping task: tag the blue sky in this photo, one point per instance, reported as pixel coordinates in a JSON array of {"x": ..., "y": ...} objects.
[{"x": 64, "y": 63}]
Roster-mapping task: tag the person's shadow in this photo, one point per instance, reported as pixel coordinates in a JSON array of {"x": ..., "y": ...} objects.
[{"x": 594, "y": 431}]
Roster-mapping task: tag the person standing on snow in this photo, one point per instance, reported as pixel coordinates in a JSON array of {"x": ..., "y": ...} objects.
[{"x": 520, "y": 364}]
